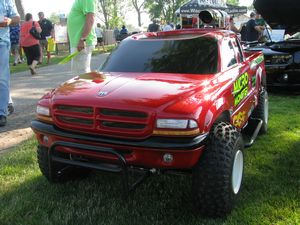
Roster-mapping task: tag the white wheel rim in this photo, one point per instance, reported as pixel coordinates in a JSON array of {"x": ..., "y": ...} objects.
[{"x": 237, "y": 171}]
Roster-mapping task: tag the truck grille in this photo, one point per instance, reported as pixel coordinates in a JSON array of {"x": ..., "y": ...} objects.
[
  {"x": 277, "y": 59},
  {"x": 114, "y": 112},
  {"x": 74, "y": 109},
  {"x": 72, "y": 120},
  {"x": 102, "y": 121},
  {"x": 122, "y": 125}
]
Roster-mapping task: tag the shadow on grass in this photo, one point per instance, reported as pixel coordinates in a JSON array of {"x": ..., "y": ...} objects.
[
  {"x": 98, "y": 200},
  {"x": 269, "y": 186},
  {"x": 284, "y": 91}
]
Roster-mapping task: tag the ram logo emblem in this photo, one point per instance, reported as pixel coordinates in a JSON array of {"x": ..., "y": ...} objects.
[{"x": 102, "y": 93}]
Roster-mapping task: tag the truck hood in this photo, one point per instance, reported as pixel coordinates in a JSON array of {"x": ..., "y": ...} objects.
[
  {"x": 280, "y": 13},
  {"x": 123, "y": 90}
]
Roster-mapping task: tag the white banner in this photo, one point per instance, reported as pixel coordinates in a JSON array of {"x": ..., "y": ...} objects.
[{"x": 61, "y": 34}]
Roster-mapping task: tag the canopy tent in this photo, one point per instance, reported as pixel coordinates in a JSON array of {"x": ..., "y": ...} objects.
[
  {"x": 196, "y": 6},
  {"x": 234, "y": 10}
]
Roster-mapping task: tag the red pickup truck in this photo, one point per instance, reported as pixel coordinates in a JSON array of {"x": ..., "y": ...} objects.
[{"x": 177, "y": 101}]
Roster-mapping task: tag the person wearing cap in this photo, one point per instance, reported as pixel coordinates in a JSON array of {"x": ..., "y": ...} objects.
[{"x": 253, "y": 30}]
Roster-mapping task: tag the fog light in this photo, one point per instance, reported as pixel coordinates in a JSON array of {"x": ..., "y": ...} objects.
[
  {"x": 168, "y": 158},
  {"x": 285, "y": 77},
  {"x": 45, "y": 139}
]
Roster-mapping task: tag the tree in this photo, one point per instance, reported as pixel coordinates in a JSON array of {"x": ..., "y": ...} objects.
[
  {"x": 110, "y": 12},
  {"x": 54, "y": 18},
  {"x": 104, "y": 6},
  {"x": 164, "y": 9},
  {"x": 138, "y": 6},
  {"x": 233, "y": 2},
  {"x": 20, "y": 8},
  {"x": 117, "y": 18}
]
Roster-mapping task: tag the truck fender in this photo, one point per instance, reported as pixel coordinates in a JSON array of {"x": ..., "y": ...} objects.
[
  {"x": 220, "y": 110},
  {"x": 260, "y": 72},
  {"x": 259, "y": 75}
]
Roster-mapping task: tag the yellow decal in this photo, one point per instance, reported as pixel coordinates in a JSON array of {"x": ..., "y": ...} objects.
[
  {"x": 240, "y": 88},
  {"x": 239, "y": 118}
]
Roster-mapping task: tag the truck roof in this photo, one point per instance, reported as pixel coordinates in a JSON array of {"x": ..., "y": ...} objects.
[{"x": 183, "y": 34}]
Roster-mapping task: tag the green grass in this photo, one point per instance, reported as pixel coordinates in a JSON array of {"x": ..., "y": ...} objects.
[
  {"x": 107, "y": 48},
  {"x": 270, "y": 194},
  {"x": 55, "y": 59}
]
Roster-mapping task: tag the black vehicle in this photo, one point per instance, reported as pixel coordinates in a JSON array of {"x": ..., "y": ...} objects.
[{"x": 282, "y": 58}]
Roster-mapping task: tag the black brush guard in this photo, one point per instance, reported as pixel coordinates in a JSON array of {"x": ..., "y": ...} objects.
[{"x": 121, "y": 168}]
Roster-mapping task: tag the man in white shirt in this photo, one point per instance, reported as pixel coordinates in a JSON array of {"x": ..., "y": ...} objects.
[
  {"x": 167, "y": 27},
  {"x": 99, "y": 34}
]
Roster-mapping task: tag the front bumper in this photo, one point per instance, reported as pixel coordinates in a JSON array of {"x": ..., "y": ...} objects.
[
  {"x": 282, "y": 76},
  {"x": 146, "y": 153}
]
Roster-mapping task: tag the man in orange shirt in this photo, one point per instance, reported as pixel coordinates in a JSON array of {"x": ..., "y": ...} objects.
[{"x": 30, "y": 44}]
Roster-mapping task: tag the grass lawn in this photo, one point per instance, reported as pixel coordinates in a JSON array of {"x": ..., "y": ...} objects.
[
  {"x": 55, "y": 59},
  {"x": 270, "y": 194}
]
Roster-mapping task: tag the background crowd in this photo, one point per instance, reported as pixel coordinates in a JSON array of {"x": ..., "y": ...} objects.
[{"x": 252, "y": 31}]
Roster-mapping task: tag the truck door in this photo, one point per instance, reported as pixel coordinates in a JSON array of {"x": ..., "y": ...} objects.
[
  {"x": 245, "y": 65},
  {"x": 241, "y": 87}
]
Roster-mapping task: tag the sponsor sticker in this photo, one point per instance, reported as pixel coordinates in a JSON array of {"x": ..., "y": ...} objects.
[
  {"x": 257, "y": 61},
  {"x": 240, "y": 88},
  {"x": 253, "y": 81}
]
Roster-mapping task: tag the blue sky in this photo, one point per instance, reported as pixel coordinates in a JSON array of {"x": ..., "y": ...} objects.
[{"x": 48, "y": 7}]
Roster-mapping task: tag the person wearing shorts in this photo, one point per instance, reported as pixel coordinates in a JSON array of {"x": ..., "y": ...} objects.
[
  {"x": 30, "y": 45},
  {"x": 47, "y": 31},
  {"x": 99, "y": 34},
  {"x": 14, "y": 31},
  {"x": 82, "y": 34}
]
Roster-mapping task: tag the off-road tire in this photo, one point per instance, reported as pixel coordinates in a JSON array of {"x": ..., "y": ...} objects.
[
  {"x": 59, "y": 172},
  {"x": 262, "y": 110},
  {"x": 212, "y": 185}
]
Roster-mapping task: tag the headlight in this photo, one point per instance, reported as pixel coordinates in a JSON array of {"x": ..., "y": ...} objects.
[
  {"x": 176, "y": 124},
  {"x": 42, "y": 110}
]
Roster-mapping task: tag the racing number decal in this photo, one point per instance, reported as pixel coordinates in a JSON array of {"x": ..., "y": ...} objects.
[
  {"x": 239, "y": 119},
  {"x": 240, "y": 88}
]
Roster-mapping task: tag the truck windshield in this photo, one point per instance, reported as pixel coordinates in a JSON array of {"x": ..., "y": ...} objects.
[{"x": 194, "y": 55}]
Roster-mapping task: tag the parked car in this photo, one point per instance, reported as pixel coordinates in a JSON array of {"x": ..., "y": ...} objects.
[
  {"x": 282, "y": 57},
  {"x": 175, "y": 101}
]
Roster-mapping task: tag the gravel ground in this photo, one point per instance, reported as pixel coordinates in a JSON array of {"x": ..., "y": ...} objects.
[{"x": 26, "y": 90}]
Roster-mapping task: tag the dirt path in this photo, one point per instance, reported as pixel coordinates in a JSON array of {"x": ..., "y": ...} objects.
[{"x": 25, "y": 91}]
